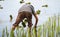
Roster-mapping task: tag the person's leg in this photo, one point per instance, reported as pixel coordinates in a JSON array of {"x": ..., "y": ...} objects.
[
  {"x": 29, "y": 23},
  {"x": 18, "y": 20},
  {"x": 29, "y": 19}
]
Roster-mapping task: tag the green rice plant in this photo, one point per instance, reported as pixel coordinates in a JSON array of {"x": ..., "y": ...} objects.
[
  {"x": 38, "y": 12},
  {"x": 11, "y": 17},
  {"x": 39, "y": 31},
  {"x": 58, "y": 27},
  {"x": 1, "y": 7},
  {"x": 44, "y": 30},
  {"x": 20, "y": 32},
  {"x": 35, "y": 32},
  {"x": 58, "y": 22},
  {"x": 12, "y": 33},
  {"x": 3, "y": 32},
  {"x": 17, "y": 32},
  {"x": 22, "y": 1},
  {"x": 32, "y": 32},
  {"x": 28, "y": 3},
  {"x": 7, "y": 34},
  {"x": 53, "y": 26},
  {"x": 48, "y": 29},
  {"x": 45, "y": 5},
  {"x": 23, "y": 33},
  {"x": 29, "y": 32}
]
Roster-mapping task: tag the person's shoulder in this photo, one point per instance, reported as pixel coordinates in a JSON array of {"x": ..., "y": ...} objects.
[{"x": 30, "y": 5}]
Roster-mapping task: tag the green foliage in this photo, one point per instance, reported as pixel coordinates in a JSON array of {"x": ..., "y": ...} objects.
[
  {"x": 28, "y": 3},
  {"x": 45, "y": 29},
  {"x": 38, "y": 12},
  {"x": 1, "y": 0},
  {"x": 7, "y": 34},
  {"x": 3, "y": 32},
  {"x": 1, "y": 7},
  {"x": 44, "y": 5},
  {"x": 12, "y": 34},
  {"x": 29, "y": 32},
  {"x": 11, "y": 17},
  {"x": 22, "y": 1},
  {"x": 18, "y": 32}
]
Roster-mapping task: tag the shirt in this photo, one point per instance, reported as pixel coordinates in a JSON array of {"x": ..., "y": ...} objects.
[{"x": 27, "y": 7}]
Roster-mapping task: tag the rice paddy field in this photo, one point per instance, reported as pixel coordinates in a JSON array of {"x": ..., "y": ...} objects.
[{"x": 51, "y": 28}]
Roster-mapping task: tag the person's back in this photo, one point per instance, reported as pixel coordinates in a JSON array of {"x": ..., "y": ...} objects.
[{"x": 27, "y": 7}]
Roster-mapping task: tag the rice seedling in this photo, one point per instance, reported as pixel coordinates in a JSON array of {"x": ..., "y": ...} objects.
[
  {"x": 11, "y": 18},
  {"x": 7, "y": 34},
  {"x": 3, "y": 33},
  {"x": 44, "y": 5},
  {"x": 1, "y": 6},
  {"x": 48, "y": 29},
  {"x": 28, "y": 3},
  {"x": 12, "y": 34},
  {"x": 38, "y": 12},
  {"x": 22, "y": 1}
]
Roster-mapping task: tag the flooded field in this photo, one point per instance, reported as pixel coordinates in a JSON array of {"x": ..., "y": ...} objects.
[
  {"x": 48, "y": 12},
  {"x": 51, "y": 28}
]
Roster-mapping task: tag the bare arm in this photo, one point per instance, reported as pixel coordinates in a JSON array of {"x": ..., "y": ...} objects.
[
  {"x": 33, "y": 12},
  {"x": 36, "y": 19}
]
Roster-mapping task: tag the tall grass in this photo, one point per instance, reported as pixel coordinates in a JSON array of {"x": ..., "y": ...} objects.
[
  {"x": 50, "y": 28},
  {"x": 3, "y": 33}
]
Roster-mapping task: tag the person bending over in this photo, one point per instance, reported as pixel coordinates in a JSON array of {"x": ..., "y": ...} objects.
[{"x": 26, "y": 11}]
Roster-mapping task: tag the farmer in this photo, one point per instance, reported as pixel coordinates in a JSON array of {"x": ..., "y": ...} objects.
[{"x": 25, "y": 11}]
